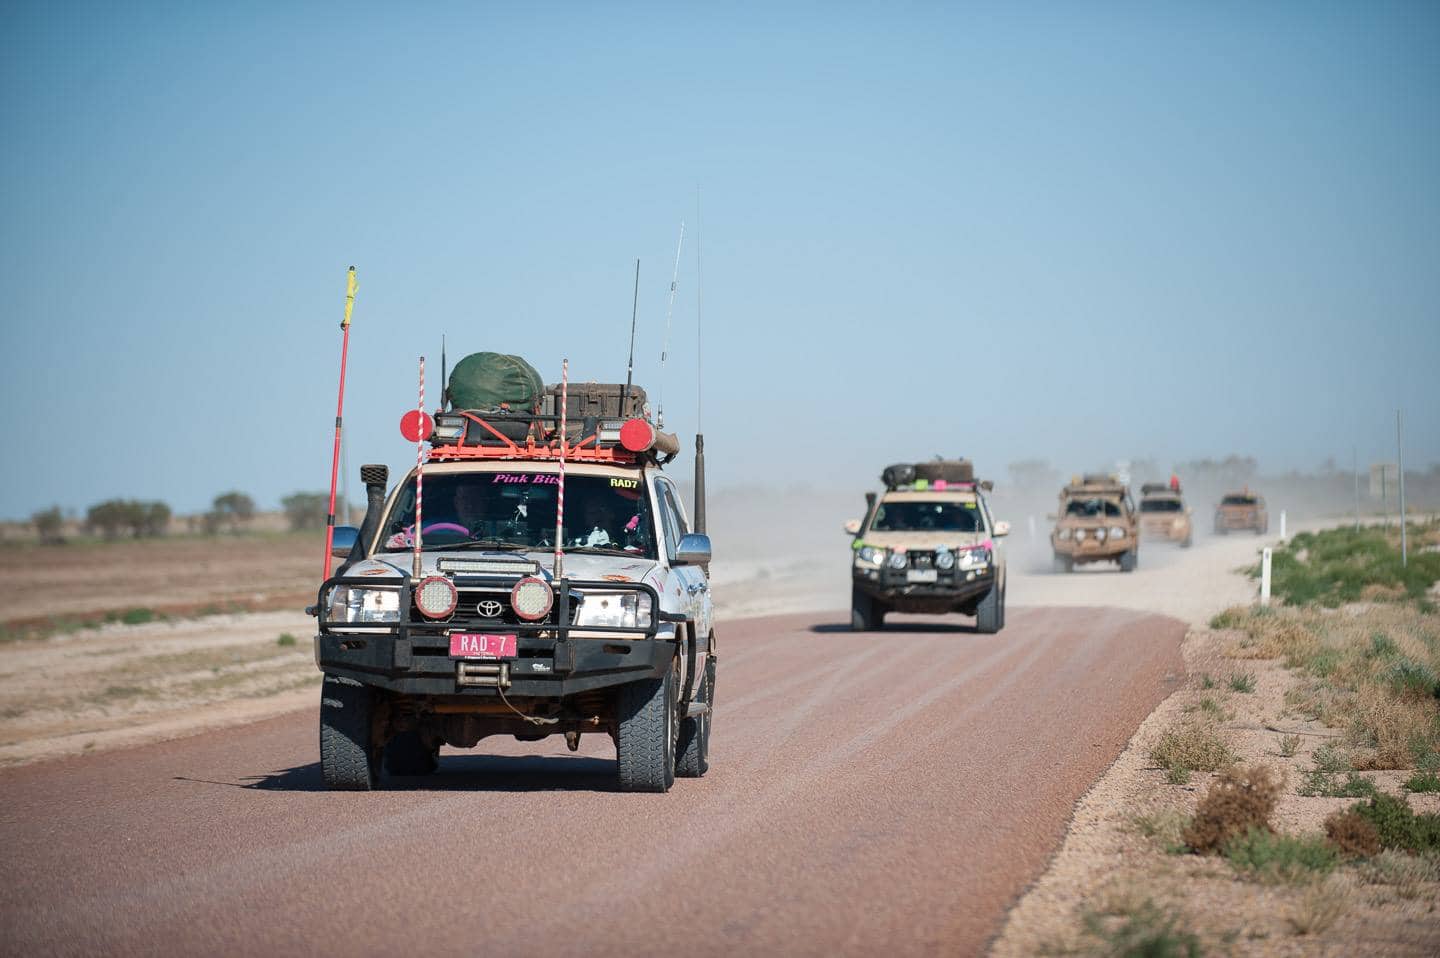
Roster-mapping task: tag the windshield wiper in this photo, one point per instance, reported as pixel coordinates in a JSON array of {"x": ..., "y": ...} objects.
[
  {"x": 599, "y": 550},
  {"x": 489, "y": 544}
]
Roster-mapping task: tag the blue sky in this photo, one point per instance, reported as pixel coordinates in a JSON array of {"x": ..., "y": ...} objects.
[{"x": 1068, "y": 231}]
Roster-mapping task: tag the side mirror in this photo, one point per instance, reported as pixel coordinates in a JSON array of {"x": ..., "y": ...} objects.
[
  {"x": 694, "y": 549},
  {"x": 343, "y": 541},
  {"x": 852, "y": 527},
  {"x": 1002, "y": 528}
]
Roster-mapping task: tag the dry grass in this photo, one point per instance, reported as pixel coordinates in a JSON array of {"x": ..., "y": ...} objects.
[
  {"x": 1239, "y": 800},
  {"x": 1194, "y": 746},
  {"x": 1320, "y": 906}
]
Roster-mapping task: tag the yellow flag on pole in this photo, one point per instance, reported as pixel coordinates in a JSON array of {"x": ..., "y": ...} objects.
[{"x": 350, "y": 287}]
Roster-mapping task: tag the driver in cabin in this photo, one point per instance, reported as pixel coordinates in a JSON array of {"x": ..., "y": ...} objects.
[
  {"x": 597, "y": 520},
  {"x": 478, "y": 511}
]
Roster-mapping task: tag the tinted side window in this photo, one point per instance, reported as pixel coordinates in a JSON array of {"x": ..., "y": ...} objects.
[{"x": 668, "y": 520}]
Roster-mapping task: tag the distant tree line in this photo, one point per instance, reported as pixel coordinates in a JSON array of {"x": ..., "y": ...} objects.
[{"x": 229, "y": 512}]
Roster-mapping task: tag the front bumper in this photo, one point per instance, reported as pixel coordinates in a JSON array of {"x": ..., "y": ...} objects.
[
  {"x": 953, "y": 584},
  {"x": 553, "y": 658},
  {"x": 1090, "y": 549}
]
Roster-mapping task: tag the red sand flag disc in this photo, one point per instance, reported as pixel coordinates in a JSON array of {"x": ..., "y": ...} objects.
[{"x": 416, "y": 426}]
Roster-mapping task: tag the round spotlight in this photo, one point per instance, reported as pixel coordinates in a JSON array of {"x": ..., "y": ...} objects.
[
  {"x": 945, "y": 560},
  {"x": 436, "y": 596},
  {"x": 898, "y": 559},
  {"x": 532, "y": 598}
]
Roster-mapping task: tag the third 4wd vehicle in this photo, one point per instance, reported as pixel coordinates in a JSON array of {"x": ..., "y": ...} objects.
[
  {"x": 1241, "y": 510},
  {"x": 929, "y": 545},
  {"x": 1097, "y": 522},
  {"x": 480, "y": 623},
  {"x": 1163, "y": 514}
]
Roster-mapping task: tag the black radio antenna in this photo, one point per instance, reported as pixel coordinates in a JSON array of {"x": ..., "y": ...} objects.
[
  {"x": 444, "y": 377},
  {"x": 630, "y": 364}
]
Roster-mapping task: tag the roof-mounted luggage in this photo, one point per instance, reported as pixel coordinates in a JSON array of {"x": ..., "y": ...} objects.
[{"x": 934, "y": 474}]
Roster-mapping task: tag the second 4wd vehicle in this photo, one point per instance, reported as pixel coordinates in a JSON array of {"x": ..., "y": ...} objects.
[
  {"x": 928, "y": 544},
  {"x": 1097, "y": 522},
  {"x": 480, "y": 623},
  {"x": 1163, "y": 514}
]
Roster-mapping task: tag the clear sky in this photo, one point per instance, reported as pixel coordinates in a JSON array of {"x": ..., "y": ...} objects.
[{"x": 1058, "y": 230}]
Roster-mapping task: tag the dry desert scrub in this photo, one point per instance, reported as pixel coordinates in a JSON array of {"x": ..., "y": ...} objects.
[{"x": 1239, "y": 801}]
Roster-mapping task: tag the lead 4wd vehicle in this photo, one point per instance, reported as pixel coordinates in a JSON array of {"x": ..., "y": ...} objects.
[
  {"x": 1241, "y": 511},
  {"x": 928, "y": 544},
  {"x": 493, "y": 632},
  {"x": 1097, "y": 522}
]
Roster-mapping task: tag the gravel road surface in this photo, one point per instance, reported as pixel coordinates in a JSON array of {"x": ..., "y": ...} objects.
[{"x": 893, "y": 791}]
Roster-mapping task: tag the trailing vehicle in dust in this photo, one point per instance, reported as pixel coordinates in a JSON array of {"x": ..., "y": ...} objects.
[
  {"x": 1097, "y": 522},
  {"x": 928, "y": 544},
  {"x": 536, "y": 574},
  {"x": 1241, "y": 511},
  {"x": 1164, "y": 515}
]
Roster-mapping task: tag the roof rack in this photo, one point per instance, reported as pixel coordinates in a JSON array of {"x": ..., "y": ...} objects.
[{"x": 467, "y": 435}]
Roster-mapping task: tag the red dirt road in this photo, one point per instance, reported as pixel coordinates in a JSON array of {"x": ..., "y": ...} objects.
[{"x": 868, "y": 793}]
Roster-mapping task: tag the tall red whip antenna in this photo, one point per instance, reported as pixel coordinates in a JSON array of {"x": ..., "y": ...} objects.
[
  {"x": 420, "y": 470},
  {"x": 350, "y": 287},
  {"x": 560, "y": 493}
]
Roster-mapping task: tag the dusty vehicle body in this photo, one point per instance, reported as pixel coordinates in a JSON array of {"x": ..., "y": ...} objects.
[
  {"x": 488, "y": 639},
  {"x": 1164, "y": 515},
  {"x": 1241, "y": 511},
  {"x": 928, "y": 547},
  {"x": 1097, "y": 522}
]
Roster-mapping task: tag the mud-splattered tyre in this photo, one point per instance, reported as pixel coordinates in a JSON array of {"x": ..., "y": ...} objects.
[
  {"x": 349, "y": 757},
  {"x": 1187, "y": 542},
  {"x": 692, "y": 752},
  {"x": 990, "y": 613},
  {"x": 646, "y": 739},
  {"x": 408, "y": 754},
  {"x": 1062, "y": 564},
  {"x": 1129, "y": 560},
  {"x": 865, "y": 613}
]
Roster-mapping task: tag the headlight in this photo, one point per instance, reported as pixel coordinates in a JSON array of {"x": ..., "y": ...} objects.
[
  {"x": 532, "y": 598},
  {"x": 974, "y": 558},
  {"x": 350, "y": 603},
  {"x": 436, "y": 596},
  {"x": 623, "y": 610},
  {"x": 1178, "y": 524},
  {"x": 898, "y": 559},
  {"x": 1099, "y": 534},
  {"x": 1079, "y": 534},
  {"x": 1063, "y": 534},
  {"x": 945, "y": 559},
  {"x": 871, "y": 555},
  {"x": 1117, "y": 532}
]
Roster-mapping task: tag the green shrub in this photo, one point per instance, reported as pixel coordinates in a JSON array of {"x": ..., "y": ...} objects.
[
  {"x": 1243, "y": 682},
  {"x": 1330, "y": 758},
  {"x": 1323, "y": 785},
  {"x": 285, "y": 639},
  {"x": 1423, "y": 782},
  {"x": 1382, "y": 647},
  {"x": 1413, "y": 679},
  {"x": 137, "y": 616},
  {"x": 1398, "y": 825},
  {"x": 1264, "y": 856},
  {"x": 1147, "y": 932}
]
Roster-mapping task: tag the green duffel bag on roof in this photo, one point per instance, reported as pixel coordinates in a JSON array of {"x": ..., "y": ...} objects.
[{"x": 486, "y": 380}]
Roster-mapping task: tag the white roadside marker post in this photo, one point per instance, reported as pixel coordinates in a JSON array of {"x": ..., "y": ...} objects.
[
  {"x": 1265, "y": 577},
  {"x": 1032, "y": 526},
  {"x": 1282, "y": 525}
]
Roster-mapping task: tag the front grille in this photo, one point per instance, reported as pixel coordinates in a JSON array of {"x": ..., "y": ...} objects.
[{"x": 922, "y": 560}]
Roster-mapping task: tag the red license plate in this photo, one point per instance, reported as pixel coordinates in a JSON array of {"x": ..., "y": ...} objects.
[{"x": 482, "y": 645}]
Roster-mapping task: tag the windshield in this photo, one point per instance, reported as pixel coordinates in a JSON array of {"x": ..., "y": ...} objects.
[
  {"x": 1159, "y": 505},
  {"x": 1237, "y": 501},
  {"x": 516, "y": 510},
  {"x": 927, "y": 517},
  {"x": 1092, "y": 508}
]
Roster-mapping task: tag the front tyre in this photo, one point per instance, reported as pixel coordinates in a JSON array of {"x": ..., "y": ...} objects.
[
  {"x": 646, "y": 740},
  {"x": 1062, "y": 563},
  {"x": 990, "y": 613},
  {"x": 1128, "y": 561},
  {"x": 692, "y": 752},
  {"x": 349, "y": 755}
]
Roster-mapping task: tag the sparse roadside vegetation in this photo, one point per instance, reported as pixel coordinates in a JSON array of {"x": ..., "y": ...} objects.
[{"x": 1287, "y": 800}]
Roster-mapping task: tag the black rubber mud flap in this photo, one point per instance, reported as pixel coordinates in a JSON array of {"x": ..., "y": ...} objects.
[
  {"x": 349, "y": 757},
  {"x": 645, "y": 744},
  {"x": 408, "y": 754},
  {"x": 692, "y": 752}
]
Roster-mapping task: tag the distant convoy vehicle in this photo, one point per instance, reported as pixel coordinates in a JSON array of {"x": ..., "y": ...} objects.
[
  {"x": 536, "y": 583},
  {"x": 1241, "y": 511},
  {"x": 928, "y": 544},
  {"x": 1097, "y": 522},
  {"x": 1163, "y": 514}
]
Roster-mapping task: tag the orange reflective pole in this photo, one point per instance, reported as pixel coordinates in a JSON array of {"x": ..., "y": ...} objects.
[{"x": 350, "y": 287}]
